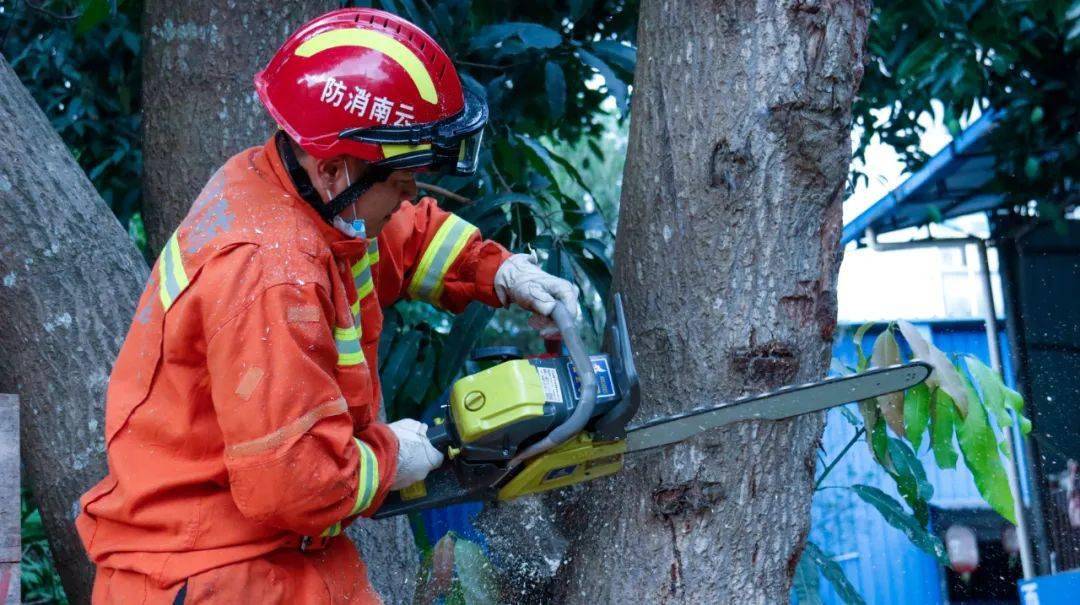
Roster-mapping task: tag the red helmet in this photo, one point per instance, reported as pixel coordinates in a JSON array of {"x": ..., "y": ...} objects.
[{"x": 366, "y": 83}]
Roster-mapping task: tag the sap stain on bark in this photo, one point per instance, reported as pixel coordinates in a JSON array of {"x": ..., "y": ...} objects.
[
  {"x": 810, "y": 303},
  {"x": 692, "y": 497},
  {"x": 730, "y": 169},
  {"x": 769, "y": 365}
]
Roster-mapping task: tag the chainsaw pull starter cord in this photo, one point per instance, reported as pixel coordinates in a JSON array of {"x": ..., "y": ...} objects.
[{"x": 583, "y": 411}]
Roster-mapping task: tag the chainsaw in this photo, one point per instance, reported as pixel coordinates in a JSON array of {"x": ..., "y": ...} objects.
[{"x": 526, "y": 426}]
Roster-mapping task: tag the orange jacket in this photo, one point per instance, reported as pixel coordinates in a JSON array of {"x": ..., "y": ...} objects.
[{"x": 242, "y": 410}]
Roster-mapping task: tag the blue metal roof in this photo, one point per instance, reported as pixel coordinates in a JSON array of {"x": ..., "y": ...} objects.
[{"x": 953, "y": 181}]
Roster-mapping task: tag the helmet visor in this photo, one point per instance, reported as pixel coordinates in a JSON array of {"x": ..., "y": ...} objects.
[{"x": 450, "y": 145}]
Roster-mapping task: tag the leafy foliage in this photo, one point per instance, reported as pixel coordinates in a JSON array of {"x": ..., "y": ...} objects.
[
  {"x": 80, "y": 61},
  {"x": 990, "y": 408},
  {"x": 895, "y": 515},
  {"x": 832, "y": 572},
  {"x": 1016, "y": 58},
  {"x": 40, "y": 581}
]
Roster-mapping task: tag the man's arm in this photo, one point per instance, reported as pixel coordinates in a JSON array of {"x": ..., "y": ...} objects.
[
  {"x": 438, "y": 257},
  {"x": 290, "y": 449}
]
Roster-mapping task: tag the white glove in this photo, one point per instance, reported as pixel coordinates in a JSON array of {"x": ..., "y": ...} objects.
[
  {"x": 520, "y": 280},
  {"x": 416, "y": 457}
]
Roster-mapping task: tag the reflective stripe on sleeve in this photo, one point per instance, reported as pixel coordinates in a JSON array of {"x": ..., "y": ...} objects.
[
  {"x": 373, "y": 252},
  {"x": 172, "y": 276},
  {"x": 355, "y": 307},
  {"x": 348, "y": 346},
  {"x": 368, "y": 482},
  {"x": 427, "y": 281},
  {"x": 361, "y": 272}
]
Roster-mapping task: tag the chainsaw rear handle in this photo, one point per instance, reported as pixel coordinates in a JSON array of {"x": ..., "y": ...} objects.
[
  {"x": 584, "y": 409},
  {"x": 440, "y": 437}
]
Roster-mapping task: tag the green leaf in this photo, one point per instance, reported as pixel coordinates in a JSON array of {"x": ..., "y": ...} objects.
[
  {"x": 1032, "y": 168},
  {"x": 919, "y": 57},
  {"x": 391, "y": 321},
  {"x": 596, "y": 269},
  {"x": 886, "y": 353},
  {"x": 531, "y": 35},
  {"x": 997, "y": 396},
  {"x": 411, "y": 397},
  {"x": 93, "y": 13},
  {"x": 1016, "y": 402},
  {"x": 943, "y": 418},
  {"x": 850, "y": 416},
  {"x": 578, "y": 8},
  {"x": 834, "y": 574},
  {"x": 398, "y": 365},
  {"x": 615, "y": 87},
  {"x": 621, "y": 56},
  {"x": 539, "y": 158},
  {"x": 979, "y": 445},
  {"x": 869, "y": 411},
  {"x": 857, "y": 339},
  {"x": 916, "y": 413},
  {"x": 555, "y": 83},
  {"x": 476, "y": 212},
  {"x": 807, "y": 582},
  {"x": 910, "y": 478},
  {"x": 879, "y": 444},
  {"x": 991, "y": 388},
  {"x": 944, "y": 373},
  {"x": 895, "y": 515},
  {"x": 570, "y": 169},
  {"x": 466, "y": 329}
]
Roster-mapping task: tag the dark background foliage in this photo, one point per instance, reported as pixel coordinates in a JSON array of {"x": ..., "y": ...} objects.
[
  {"x": 81, "y": 64},
  {"x": 1017, "y": 58}
]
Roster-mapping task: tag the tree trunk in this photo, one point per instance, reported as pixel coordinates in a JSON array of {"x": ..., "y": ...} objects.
[
  {"x": 727, "y": 251},
  {"x": 199, "y": 103},
  {"x": 69, "y": 282},
  {"x": 200, "y": 108}
]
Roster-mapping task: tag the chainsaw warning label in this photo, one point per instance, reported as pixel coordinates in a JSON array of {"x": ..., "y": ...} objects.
[{"x": 549, "y": 378}]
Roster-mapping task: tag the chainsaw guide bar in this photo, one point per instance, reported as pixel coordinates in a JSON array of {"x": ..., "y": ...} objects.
[{"x": 776, "y": 405}]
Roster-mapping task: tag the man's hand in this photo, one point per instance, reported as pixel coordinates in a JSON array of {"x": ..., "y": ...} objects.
[
  {"x": 416, "y": 456},
  {"x": 520, "y": 280}
]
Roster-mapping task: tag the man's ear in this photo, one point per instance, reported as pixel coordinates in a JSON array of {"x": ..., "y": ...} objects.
[{"x": 329, "y": 171}]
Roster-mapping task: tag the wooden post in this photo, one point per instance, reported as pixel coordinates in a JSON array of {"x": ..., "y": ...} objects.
[{"x": 10, "y": 539}]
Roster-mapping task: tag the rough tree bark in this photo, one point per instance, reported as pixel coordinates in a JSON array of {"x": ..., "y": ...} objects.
[
  {"x": 200, "y": 108},
  {"x": 727, "y": 252},
  {"x": 69, "y": 282},
  {"x": 199, "y": 103}
]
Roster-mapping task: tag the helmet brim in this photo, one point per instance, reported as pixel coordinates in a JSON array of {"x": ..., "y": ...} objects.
[{"x": 451, "y": 145}]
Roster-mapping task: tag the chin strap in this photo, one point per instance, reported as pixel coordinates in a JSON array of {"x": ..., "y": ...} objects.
[{"x": 374, "y": 174}]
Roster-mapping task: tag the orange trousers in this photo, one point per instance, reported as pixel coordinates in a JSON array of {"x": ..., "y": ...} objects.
[{"x": 331, "y": 576}]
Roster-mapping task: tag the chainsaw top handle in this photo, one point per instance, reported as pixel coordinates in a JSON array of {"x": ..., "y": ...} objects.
[{"x": 584, "y": 409}]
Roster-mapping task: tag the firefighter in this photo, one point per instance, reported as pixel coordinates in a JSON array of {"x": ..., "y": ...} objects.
[{"x": 242, "y": 414}]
